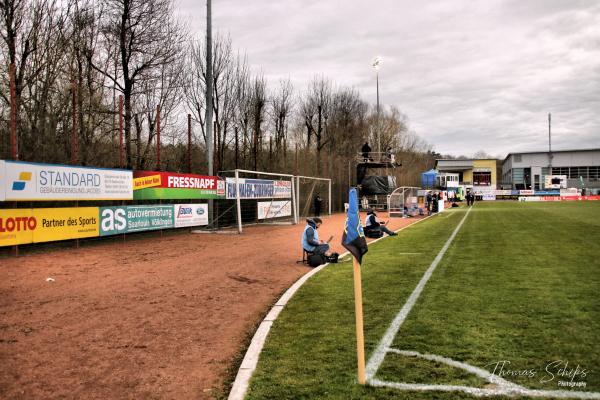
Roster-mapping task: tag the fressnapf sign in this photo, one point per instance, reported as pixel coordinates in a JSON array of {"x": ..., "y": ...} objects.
[{"x": 151, "y": 185}]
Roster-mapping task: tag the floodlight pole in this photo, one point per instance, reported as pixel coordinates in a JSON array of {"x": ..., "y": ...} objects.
[
  {"x": 330, "y": 197},
  {"x": 209, "y": 103},
  {"x": 549, "y": 144},
  {"x": 14, "y": 151},
  {"x": 237, "y": 200},
  {"x": 378, "y": 132}
]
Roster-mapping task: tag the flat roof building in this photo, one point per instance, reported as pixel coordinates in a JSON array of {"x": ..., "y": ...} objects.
[
  {"x": 528, "y": 170},
  {"x": 480, "y": 174}
]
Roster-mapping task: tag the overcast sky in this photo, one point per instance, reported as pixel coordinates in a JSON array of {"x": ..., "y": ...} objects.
[{"x": 470, "y": 75}]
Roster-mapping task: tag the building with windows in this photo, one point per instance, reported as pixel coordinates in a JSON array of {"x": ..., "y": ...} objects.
[
  {"x": 476, "y": 174},
  {"x": 528, "y": 170},
  {"x": 471, "y": 172}
]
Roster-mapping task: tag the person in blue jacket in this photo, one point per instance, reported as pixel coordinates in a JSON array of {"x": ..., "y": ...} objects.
[
  {"x": 372, "y": 223},
  {"x": 310, "y": 238}
]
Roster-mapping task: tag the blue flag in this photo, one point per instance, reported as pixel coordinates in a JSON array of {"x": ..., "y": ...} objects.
[{"x": 353, "y": 238}]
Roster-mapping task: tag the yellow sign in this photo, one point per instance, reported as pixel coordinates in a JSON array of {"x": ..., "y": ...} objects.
[
  {"x": 16, "y": 226},
  {"x": 65, "y": 223},
  {"x": 146, "y": 182}
]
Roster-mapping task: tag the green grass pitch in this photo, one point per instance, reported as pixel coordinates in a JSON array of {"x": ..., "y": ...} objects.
[{"x": 518, "y": 288}]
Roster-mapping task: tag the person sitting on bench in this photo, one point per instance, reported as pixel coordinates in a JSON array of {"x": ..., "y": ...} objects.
[
  {"x": 310, "y": 238},
  {"x": 372, "y": 224}
]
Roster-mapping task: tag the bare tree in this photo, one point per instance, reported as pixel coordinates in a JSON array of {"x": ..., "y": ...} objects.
[
  {"x": 281, "y": 111},
  {"x": 230, "y": 73},
  {"x": 315, "y": 112},
  {"x": 258, "y": 103},
  {"x": 149, "y": 37}
]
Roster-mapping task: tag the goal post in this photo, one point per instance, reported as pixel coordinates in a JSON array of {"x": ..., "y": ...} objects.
[
  {"x": 307, "y": 189},
  {"x": 260, "y": 197}
]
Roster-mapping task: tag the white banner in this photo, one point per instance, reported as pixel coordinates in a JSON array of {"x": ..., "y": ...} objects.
[
  {"x": 274, "y": 209},
  {"x": 191, "y": 215},
  {"x": 488, "y": 196},
  {"x": 527, "y": 192},
  {"x": 259, "y": 189},
  {"x": 530, "y": 198},
  {"x": 32, "y": 181},
  {"x": 503, "y": 192}
]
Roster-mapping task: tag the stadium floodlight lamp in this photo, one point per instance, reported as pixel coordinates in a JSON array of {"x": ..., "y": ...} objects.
[{"x": 377, "y": 62}]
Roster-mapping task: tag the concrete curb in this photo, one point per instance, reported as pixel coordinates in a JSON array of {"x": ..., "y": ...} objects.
[{"x": 250, "y": 361}]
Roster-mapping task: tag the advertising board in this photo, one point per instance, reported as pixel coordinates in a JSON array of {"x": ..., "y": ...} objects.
[
  {"x": 274, "y": 209},
  {"x": 39, "y": 182},
  {"x": 191, "y": 215},
  {"x": 555, "y": 182},
  {"x": 259, "y": 189},
  {"x": 22, "y": 226},
  {"x": 150, "y": 185}
]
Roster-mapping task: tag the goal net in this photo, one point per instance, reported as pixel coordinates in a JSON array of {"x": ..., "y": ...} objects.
[{"x": 313, "y": 196}]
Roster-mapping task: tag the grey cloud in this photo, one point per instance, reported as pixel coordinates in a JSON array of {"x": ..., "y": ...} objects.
[{"x": 469, "y": 75}]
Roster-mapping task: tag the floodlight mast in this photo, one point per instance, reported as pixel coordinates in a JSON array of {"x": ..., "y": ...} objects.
[
  {"x": 376, "y": 64},
  {"x": 209, "y": 106}
]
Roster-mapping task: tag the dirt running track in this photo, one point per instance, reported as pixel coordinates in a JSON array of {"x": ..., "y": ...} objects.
[{"x": 154, "y": 318}]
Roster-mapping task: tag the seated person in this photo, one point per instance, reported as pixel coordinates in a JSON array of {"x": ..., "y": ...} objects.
[
  {"x": 310, "y": 238},
  {"x": 372, "y": 224}
]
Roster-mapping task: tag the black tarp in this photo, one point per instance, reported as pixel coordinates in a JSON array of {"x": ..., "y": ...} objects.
[{"x": 377, "y": 185}]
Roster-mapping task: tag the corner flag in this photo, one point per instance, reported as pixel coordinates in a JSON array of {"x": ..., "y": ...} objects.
[
  {"x": 353, "y": 238},
  {"x": 354, "y": 241}
]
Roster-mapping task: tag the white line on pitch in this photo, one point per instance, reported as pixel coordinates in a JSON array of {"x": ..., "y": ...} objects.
[{"x": 382, "y": 348}]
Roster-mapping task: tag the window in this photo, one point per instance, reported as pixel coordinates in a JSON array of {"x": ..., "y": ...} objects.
[
  {"x": 560, "y": 171},
  {"x": 573, "y": 173},
  {"x": 594, "y": 173},
  {"x": 518, "y": 157},
  {"x": 482, "y": 178}
]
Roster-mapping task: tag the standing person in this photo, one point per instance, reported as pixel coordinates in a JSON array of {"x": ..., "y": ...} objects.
[
  {"x": 366, "y": 150},
  {"x": 428, "y": 201},
  {"x": 391, "y": 156},
  {"x": 318, "y": 204}
]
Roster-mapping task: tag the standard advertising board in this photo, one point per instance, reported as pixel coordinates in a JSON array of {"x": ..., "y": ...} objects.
[
  {"x": 274, "y": 209},
  {"x": 259, "y": 189},
  {"x": 191, "y": 215},
  {"x": 40, "y": 182},
  {"x": 150, "y": 185},
  {"x": 22, "y": 226}
]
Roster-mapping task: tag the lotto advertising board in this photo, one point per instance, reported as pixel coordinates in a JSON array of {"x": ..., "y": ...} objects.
[
  {"x": 149, "y": 185},
  {"x": 274, "y": 209},
  {"x": 22, "y": 181},
  {"x": 259, "y": 189},
  {"x": 22, "y": 226}
]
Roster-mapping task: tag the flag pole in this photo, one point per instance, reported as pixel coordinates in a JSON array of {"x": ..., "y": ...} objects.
[{"x": 360, "y": 338}]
